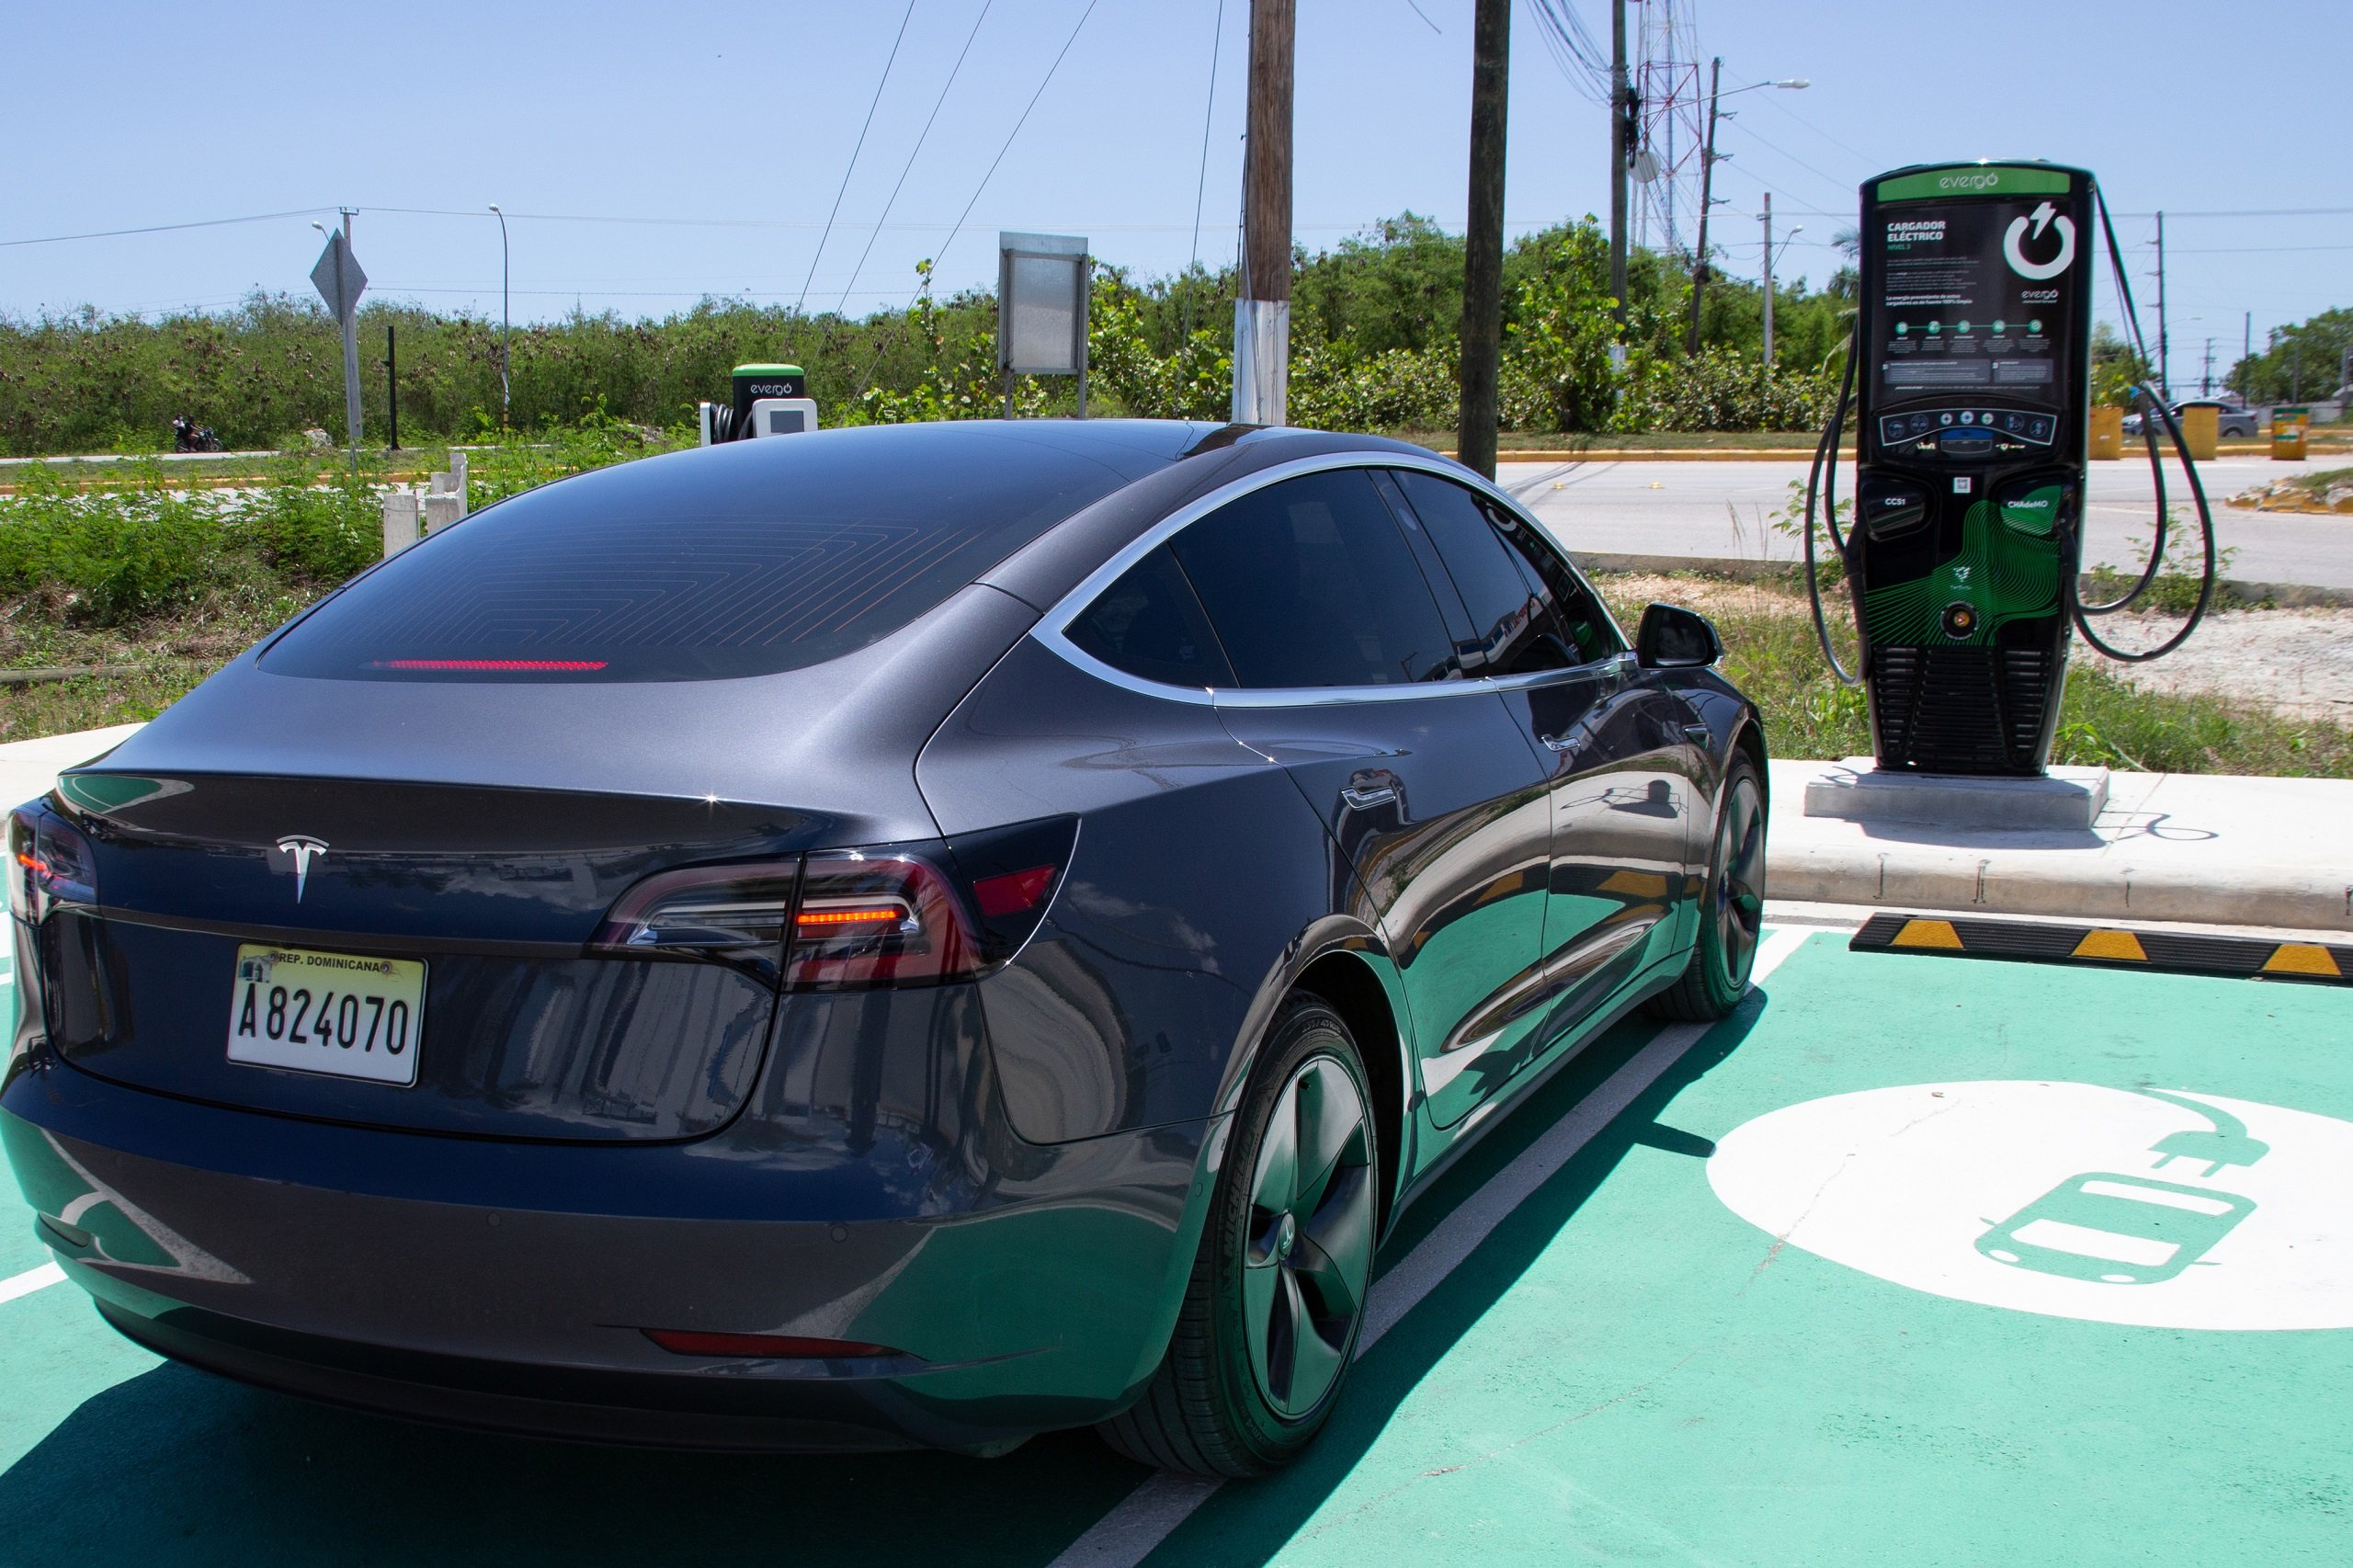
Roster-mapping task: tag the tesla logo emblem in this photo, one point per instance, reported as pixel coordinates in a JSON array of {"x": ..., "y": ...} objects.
[
  {"x": 2014, "y": 249},
  {"x": 303, "y": 850}
]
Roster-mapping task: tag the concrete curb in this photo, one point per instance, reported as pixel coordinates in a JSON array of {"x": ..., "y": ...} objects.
[{"x": 2208, "y": 850}]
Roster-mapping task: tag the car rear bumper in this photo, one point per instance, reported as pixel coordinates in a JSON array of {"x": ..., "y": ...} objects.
[{"x": 509, "y": 1287}]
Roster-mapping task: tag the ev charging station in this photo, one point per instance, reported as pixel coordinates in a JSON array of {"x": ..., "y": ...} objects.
[
  {"x": 769, "y": 400},
  {"x": 1969, "y": 383}
]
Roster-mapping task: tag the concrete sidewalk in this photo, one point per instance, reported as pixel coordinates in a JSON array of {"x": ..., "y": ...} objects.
[
  {"x": 2212, "y": 849},
  {"x": 30, "y": 768}
]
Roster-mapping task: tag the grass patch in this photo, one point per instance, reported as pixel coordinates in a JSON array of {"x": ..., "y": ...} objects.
[{"x": 1772, "y": 654}]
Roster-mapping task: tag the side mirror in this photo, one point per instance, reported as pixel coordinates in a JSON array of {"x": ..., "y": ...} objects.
[{"x": 1673, "y": 638}]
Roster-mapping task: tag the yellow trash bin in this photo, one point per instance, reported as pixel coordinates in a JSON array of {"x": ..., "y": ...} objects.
[
  {"x": 2107, "y": 433},
  {"x": 2200, "y": 428},
  {"x": 2288, "y": 428}
]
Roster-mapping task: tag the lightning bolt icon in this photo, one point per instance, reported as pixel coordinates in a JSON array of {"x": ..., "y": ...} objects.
[{"x": 2042, "y": 216}]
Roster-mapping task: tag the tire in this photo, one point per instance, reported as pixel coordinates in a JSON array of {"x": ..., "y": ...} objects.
[
  {"x": 1275, "y": 1300},
  {"x": 1731, "y": 907}
]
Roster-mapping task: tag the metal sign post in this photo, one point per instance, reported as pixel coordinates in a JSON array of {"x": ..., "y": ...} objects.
[
  {"x": 1043, "y": 283},
  {"x": 340, "y": 283}
]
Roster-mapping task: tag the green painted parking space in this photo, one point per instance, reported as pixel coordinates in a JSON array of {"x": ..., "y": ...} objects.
[
  {"x": 1759, "y": 1318},
  {"x": 1630, "y": 1370}
]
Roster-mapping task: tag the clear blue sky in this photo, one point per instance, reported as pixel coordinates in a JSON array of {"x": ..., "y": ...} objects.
[{"x": 709, "y": 141}]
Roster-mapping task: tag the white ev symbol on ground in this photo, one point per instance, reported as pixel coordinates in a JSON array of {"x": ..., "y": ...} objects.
[
  {"x": 2160, "y": 1208},
  {"x": 2014, "y": 250}
]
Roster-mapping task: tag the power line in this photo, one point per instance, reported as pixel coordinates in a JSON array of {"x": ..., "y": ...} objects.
[
  {"x": 1017, "y": 124},
  {"x": 1202, "y": 184},
  {"x": 867, "y": 376},
  {"x": 1581, "y": 64},
  {"x": 167, "y": 228},
  {"x": 873, "y": 104},
  {"x": 921, "y": 137}
]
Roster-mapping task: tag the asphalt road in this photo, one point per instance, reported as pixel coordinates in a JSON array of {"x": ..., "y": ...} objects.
[{"x": 1722, "y": 511}]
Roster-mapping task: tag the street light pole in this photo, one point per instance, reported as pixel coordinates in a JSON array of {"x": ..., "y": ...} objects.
[
  {"x": 1709, "y": 159},
  {"x": 504, "y": 317},
  {"x": 1767, "y": 215},
  {"x": 1707, "y": 199}
]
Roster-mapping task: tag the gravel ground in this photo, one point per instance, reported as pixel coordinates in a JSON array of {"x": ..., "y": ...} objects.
[
  {"x": 2294, "y": 661},
  {"x": 2297, "y": 661}
]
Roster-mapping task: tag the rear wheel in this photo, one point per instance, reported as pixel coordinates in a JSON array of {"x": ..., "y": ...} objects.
[
  {"x": 1276, "y": 1296},
  {"x": 1732, "y": 909}
]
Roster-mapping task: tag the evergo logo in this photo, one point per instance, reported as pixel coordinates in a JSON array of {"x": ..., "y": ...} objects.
[{"x": 1986, "y": 181}]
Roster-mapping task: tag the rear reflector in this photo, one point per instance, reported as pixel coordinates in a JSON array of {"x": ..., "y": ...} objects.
[
  {"x": 686, "y": 1342},
  {"x": 1014, "y": 892}
]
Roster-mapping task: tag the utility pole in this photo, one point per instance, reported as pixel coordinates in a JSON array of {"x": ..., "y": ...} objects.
[
  {"x": 392, "y": 383},
  {"x": 2246, "y": 353},
  {"x": 1482, "y": 260},
  {"x": 2165, "y": 343},
  {"x": 1621, "y": 150},
  {"x": 1707, "y": 185},
  {"x": 1766, "y": 218},
  {"x": 506, "y": 318},
  {"x": 1262, "y": 315},
  {"x": 2206, "y": 381}
]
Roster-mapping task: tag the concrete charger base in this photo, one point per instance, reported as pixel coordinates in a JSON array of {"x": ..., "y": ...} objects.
[{"x": 1856, "y": 790}]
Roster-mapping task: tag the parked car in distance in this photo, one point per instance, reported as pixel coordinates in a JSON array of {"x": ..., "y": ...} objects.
[
  {"x": 2231, "y": 420},
  {"x": 911, "y": 936}
]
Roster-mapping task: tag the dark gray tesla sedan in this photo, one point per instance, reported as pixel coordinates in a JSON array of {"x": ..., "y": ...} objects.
[{"x": 899, "y": 935}]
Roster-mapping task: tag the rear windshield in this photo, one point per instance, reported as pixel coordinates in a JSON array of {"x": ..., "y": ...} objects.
[{"x": 745, "y": 560}]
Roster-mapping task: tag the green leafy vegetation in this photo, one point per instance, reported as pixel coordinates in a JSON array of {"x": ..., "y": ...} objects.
[
  {"x": 2301, "y": 362},
  {"x": 1374, "y": 330}
]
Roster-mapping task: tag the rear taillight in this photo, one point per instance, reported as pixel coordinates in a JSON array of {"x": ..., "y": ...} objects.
[
  {"x": 734, "y": 913},
  {"x": 50, "y": 863},
  {"x": 843, "y": 919},
  {"x": 878, "y": 917}
]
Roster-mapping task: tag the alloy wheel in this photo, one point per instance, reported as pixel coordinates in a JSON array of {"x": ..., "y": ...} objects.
[
  {"x": 1309, "y": 1256},
  {"x": 1739, "y": 912}
]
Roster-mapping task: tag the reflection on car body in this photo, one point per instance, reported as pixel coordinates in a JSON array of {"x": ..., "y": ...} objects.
[{"x": 888, "y": 911}]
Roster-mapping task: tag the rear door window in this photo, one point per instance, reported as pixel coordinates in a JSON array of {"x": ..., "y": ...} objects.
[
  {"x": 1511, "y": 621},
  {"x": 741, "y": 560},
  {"x": 1308, "y": 583}
]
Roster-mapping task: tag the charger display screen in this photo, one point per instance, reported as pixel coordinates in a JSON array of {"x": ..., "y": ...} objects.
[{"x": 1974, "y": 301}]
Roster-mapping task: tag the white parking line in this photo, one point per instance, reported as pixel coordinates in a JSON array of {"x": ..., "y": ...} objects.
[
  {"x": 1148, "y": 1514},
  {"x": 31, "y": 1279}
]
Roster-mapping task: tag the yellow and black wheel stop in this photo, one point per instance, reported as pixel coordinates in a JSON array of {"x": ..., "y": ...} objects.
[{"x": 2109, "y": 946}]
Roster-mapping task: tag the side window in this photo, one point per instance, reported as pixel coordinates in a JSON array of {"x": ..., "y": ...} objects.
[
  {"x": 1514, "y": 627},
  {"x": 1583, "y": 620},
  {"x": 1150, "y": 624},
  {"x": 1308, "y": 583}
]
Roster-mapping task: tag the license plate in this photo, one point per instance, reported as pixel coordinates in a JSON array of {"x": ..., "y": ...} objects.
[{"x": 335, "y": 1013}]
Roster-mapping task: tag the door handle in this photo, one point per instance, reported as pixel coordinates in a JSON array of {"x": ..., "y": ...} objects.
[
  {"x": 1698, "y": 735},
  {"x": 1365, "y": 800},
  {"x": 1558, "y": 742}
]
